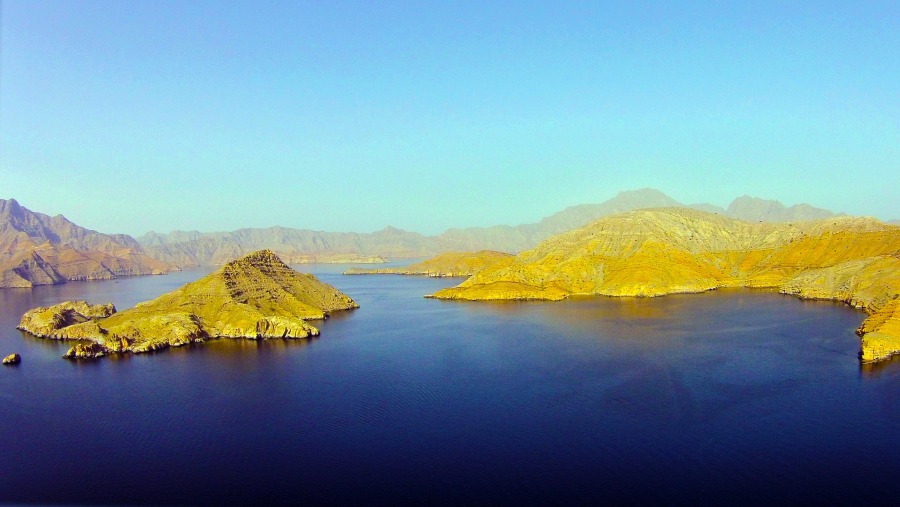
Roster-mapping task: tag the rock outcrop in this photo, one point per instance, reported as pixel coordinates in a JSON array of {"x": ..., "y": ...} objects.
[
  {"x": 676, "y": 250},
  {"x": 12, "y": 359},
  {"x": 444, "y": 265},
  {"x": 71, "y": 320},
  {"x": 90, "y": 350},
  {"x": 36, "y": 249},
  {"x": 255, "y": 297}
]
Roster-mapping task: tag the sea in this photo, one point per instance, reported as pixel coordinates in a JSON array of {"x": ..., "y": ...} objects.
[{"x": 734, "y": 397}]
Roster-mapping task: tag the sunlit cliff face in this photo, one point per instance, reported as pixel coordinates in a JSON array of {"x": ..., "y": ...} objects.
[{"x": 657, "y": 252}]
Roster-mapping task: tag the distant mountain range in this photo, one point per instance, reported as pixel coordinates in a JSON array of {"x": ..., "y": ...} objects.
[
  {"x": 192, "y": 248},
  {"x": 36, "y": 249}
]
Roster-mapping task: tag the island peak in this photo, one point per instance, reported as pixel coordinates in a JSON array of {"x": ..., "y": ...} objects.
[{"x": 256, "y": 296}]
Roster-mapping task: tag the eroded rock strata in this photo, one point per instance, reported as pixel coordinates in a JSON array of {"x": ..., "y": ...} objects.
[
  {"x": 257, "y": 297},
  {"x": 36, "y": 249},
  {"x": 447, "y": 264},
  {"x": 672, "y": 250}
]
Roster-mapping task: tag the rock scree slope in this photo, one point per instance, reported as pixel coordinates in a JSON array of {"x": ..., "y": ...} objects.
[
  {"x": 676, "y": 250},
  {"x": 256, "y": 297}
]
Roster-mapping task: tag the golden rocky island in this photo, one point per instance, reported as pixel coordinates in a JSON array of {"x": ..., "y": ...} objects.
[
  {"x": 255, "y": 297},
  {"x": 444, "y": 265},
  {"x": 677, "y": 250}
]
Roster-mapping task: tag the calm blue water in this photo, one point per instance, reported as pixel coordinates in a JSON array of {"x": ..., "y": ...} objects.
[{"x": 735, "y": 397}]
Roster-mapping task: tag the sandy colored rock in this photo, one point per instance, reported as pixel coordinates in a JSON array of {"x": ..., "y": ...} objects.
[
  {"x": 665, "y": 251},
  {"x": 36, "y": 249},
  {"x": 86, "y": 351},
  {"x": 255, "y": 297},
  {"x": 444, "y": 265},
  {"x": 71, "y": 320},
  {"x": 12, "y": 359}
]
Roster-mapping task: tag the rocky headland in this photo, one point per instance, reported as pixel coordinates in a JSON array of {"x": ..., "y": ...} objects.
[
  {"x": 36, "y": 249},
  {"x": 255, "y": 297},
  {"x": 676, "y": 250},
  {"x": 444, "y": 265}
]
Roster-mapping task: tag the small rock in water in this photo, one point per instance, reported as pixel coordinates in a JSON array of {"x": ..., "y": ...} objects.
[
  {"x": 88, "y": 351},
  {"x": 12, "y": 359}
]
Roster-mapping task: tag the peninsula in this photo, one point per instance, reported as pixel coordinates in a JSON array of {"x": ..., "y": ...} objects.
[
  {"x": 255, "y": 297},
  {"x": 444, "y": 265},
  {"x": 677, "y": 250},
  {"x": 332, "y": 259}
]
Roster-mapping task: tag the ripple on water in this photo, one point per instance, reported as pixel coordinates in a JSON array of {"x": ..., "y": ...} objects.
[{"x": 732, "y": 397}]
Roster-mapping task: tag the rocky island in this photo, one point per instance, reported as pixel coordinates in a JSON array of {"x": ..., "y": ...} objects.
[
  {"x": 447, "y": 264},
  {"x": 676, "y": 250},
  {"x": 255, "y": 297}
]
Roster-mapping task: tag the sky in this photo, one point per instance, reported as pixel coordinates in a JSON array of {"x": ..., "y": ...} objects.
[{"x": 351, "y": 116}]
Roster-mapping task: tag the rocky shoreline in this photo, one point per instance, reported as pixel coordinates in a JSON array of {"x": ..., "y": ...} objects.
[
  {"x": 651, "y": 253},
  {"x": 255, "y": 297}
]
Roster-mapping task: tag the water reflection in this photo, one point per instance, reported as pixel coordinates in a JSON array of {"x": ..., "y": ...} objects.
[
  {"x": 224, "y": 347},
  {"x": 591, "y": 400},
  {"x": 60, "y": 346},
  {"x": 886, "y": 369},
  {"x": 334, "y": 317}
]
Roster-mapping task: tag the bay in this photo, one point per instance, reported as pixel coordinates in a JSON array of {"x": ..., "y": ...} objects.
[{"x": 734, "y": 397}]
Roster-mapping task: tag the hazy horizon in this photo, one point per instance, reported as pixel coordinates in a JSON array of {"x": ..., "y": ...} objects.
[
  {"x": 386, "y": 226},
  {"x": 148, "y": 116}
]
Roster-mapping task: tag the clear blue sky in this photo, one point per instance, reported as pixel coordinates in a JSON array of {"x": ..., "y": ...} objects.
[{"x": 349, "y": 116}]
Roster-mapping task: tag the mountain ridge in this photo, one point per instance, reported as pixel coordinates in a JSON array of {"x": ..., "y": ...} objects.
[
  {"x": 37, "y": 249},
  {"x": 191, "y": 248},
  {"x": 677, "y": 250}
]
